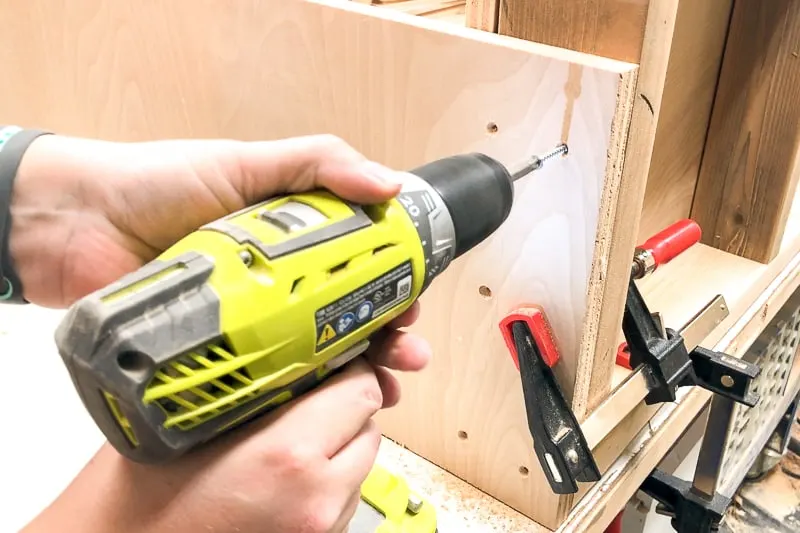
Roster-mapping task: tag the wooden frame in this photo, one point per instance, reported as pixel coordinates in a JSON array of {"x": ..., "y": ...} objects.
[
  {"x": 748, "y": 178},
  {"x": 503, "y": 95}
]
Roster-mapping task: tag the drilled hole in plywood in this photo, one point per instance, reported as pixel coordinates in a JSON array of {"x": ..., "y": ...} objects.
[
  {"x": 492, "y": 128},
  {"x": 485, "y": 291},
  {"x": 524, "y": 471},
  {"x": 462, "y": 435}
]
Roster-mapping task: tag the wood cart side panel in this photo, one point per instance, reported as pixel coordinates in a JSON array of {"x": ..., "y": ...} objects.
[{"x": 403, "y": 90}]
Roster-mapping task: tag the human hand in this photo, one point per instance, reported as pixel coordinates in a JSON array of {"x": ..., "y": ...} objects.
[
  {"x": 86, "y": 212},
  {"x": 296, "y": 470}
]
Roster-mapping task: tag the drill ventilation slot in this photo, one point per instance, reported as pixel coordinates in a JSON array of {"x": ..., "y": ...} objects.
[{"x": 201, "y": 385}]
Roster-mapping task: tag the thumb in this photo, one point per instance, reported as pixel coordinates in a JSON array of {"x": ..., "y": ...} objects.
[{"x": 304, "y": 163}]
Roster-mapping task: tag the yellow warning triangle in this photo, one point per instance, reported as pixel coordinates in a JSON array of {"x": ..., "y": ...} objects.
[{"x": 327, "y": 334}]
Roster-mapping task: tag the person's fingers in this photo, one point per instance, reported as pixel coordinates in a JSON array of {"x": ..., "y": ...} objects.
[
  {"x": 350, "y": 466},
  {"x": 407, "y": 318},
  {"x": 305, "y": 163},
  {"x": 331, "y": 414},
  {"x": 389, "y": 386},
  {"x": 399, "y": 350}
]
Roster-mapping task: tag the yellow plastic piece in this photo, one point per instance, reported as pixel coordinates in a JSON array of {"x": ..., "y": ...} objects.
[
  {"x": 390, "y": 494},
  {"x": 121, "y": 419},
  {"x": 268, "y": 307}
]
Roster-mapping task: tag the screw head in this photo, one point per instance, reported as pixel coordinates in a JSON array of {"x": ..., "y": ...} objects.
[
  {"x": 415, "y": 504},
  {"x": 246, "y": 257}
]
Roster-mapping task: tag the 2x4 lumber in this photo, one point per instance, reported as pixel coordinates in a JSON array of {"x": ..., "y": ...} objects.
[
  {"x": 607, "y": 28},
  {"x": 747, "y": 177},
  {"x": 403, "y": 90},
  {"x": 483, "y": 14},
  {"x": 690, "y": 86}
]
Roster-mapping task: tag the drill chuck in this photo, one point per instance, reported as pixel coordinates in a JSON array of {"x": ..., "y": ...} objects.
[{"x": 478, "y": 192}]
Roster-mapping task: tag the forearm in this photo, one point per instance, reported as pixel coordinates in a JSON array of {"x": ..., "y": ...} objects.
[{"x": 101, "y": 499}]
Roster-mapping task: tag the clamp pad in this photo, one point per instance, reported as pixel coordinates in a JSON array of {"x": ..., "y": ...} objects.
[{"x": 534, "y": 317}]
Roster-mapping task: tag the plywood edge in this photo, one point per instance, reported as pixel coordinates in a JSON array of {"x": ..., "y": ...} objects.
[
  {"x": 623, "y": 478},
  {"x": 600, "y": 347},
  {"x": 613, "y": 207},
  {"x": 424, "y": 23}
]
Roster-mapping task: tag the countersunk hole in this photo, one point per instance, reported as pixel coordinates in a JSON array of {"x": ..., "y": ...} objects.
[
  {"x": 492, "y": 128},
  {"x": 462, "y": 435},
  {"x": 485, "y": 291},
  {"x": 132, "y": 361},
  {"x": 524, "y": 471}
]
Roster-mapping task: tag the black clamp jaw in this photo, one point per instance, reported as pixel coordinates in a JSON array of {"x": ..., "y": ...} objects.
[
  {"x": 558, "y": 441},
  {"x": 671, "y": 359}
]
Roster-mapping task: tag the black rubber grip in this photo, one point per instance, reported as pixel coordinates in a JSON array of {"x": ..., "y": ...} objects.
[{"x": 477, "y": 190}]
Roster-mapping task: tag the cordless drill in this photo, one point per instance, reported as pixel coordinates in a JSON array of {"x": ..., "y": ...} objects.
[{"x": 260, "y": 306}]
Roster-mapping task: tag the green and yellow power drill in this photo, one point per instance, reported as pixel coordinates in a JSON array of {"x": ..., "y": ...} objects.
[{"x": 253, "y": 309}]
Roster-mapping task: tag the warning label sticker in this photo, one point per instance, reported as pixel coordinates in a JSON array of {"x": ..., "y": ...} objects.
[{"x": 350, "y": 312}]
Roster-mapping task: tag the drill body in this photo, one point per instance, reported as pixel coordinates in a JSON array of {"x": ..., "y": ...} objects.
[{"x": 260, "y": 306}]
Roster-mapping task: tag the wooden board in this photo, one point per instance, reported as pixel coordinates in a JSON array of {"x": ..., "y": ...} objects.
[
  {"x": 689, "y": 89},
  {"x": 607, "y": 28},
  {"x": 404, "y": 90},
  {"x": 483, "y": 14},
  {"x": 747, "y": 177}
]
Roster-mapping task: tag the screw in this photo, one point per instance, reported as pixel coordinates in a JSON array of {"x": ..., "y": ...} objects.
[
  {"x": 246, "y": 257},
  {"x": 558, "y": 150},
  {"x": 415, "y": 503},
  {"x": 536, "y": 162}
]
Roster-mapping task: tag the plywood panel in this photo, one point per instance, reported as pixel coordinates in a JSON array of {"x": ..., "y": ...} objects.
[{"x": 404, "y": 90}]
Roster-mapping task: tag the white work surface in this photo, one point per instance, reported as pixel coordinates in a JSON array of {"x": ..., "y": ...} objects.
[{"x": 47, "y": 437}]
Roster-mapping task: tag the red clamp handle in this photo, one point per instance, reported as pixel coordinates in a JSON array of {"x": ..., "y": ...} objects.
[
  {"x": 624, "y": 356},
  {"x": 534, "y": 317},
  {"x": 669, "y": 243}
]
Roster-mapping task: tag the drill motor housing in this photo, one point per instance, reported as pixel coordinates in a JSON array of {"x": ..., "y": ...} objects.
[{"x": 258, "y": 307}]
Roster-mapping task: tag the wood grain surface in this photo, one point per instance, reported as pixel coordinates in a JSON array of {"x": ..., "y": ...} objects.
[
  {"x": 403, "y": 90},
  {"x": 483, "y": 14},
  {"x": 748, "y": 176},
  {"x": 689, "y": 89},
  {"x": 607, "y": 28}
]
